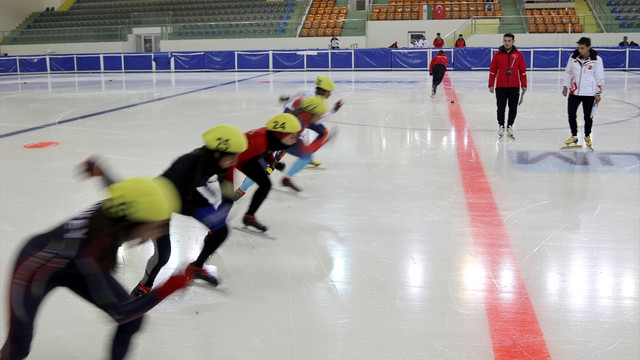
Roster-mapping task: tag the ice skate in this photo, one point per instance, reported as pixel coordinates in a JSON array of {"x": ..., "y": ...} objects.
[
  {"x": 501, "y": 130},
  {"x": 587, "y": 141},
  {"x": 250, "y": 220},
  {"x": 202, "y": 274},
  {"x": 433, "y": 90},
  {"x": 286, "y": 182},
  {"x": 510, "y": 132},
  {"x": 239, "y": 193},
  {"x": 571, "y": 143},
  {"x": 140, "y": 290},
  {"x": 315, "y": 165}
]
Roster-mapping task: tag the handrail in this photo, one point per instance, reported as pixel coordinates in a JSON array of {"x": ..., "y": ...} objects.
[{"x": 595, "y": 15}]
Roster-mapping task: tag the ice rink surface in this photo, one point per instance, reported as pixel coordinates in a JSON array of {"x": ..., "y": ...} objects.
[{"x": 426, "y": 236}]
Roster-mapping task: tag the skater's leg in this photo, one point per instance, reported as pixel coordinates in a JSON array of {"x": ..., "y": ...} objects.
[
  {"x": 587, "y": 107},
  {"x": 212, "y": 242},
  {"x": 438, "y": 74},
  {"x": 572, "y": 108},
  {"x": 253, "y": 170},
  {"x": 513, "y": 94},
  {"x": 501, "y": 103},
  {"x": 160, "y": 257}
]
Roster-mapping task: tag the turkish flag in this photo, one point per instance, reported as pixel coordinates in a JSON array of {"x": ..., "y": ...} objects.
[{"x": 437, "y": 12}]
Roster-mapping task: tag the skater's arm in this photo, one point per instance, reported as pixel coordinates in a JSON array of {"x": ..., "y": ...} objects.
[{"x": 93, "y": 166}]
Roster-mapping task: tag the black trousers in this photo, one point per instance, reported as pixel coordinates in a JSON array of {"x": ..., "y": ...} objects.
[
  {"x": 506, "y": 96},
  {"x": 572, "y": 109},
  {"x": 438, "y": 74}
]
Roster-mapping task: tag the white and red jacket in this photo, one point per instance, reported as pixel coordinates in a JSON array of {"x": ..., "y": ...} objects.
[
  {"x": 584, "y": 77},
  {"x": 510, "y": 69}
]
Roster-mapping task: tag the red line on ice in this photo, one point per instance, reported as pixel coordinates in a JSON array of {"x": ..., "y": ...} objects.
[{"x": 513, "y": 325}]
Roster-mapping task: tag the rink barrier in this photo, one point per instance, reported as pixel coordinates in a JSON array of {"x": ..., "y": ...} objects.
[{"x": 464, "y": 59}]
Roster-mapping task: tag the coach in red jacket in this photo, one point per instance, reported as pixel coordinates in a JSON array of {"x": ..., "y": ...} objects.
[
  {"x": 509, "y": 68},
  {"x": 437, "y": 69}
]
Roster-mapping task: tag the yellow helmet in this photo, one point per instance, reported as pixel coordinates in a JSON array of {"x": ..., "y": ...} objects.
[
  {"x": 225, "y": 138},
  {"x": 284, "y": 123},
  {"x": 324, "y": 83},
  {"x": 142, "y": 199},
  {"x": 314, "y": 105}
]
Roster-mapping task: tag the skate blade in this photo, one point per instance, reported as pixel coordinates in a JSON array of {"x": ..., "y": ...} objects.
[
  {"x": 290, "y": 191},
  {"x": 312, "y": 167},
  {"x": 256, "y": 232},
  {"x": 511, "y": 137},
  {"x": 571, "y": 147},
  {"x": 590, "y": 147}
]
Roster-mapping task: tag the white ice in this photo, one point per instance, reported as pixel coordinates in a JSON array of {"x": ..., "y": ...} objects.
[{"x": 379, "y": 262}]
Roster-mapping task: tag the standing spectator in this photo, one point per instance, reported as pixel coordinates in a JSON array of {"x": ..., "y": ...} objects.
[
  {"x": 583, "y": 80},
  {"x": 438, "y": 41},
  {"x": 506, "y": 62},
  {"x": 335, "y": 43},
  {"x": 423, "y": 43},
  {"x": 624, "y": 42},
  {"x": 488, "y": 5},
  {"x": 460, "y": 42},
  {"x": 394, "y": 45},
  {"x": 413, "y": 44},
  {"x": 632, "y": 43},
  {"x": 437, "y": 68}
]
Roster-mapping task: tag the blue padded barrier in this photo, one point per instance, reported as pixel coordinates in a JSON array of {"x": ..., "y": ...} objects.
[
  {"x": 62, "y": 63},
  {"x": 33, "y": 64},
  {"x": 8, "y": 65},
  {"x": 372, "y": 59},
  {"x": 288, "y": 60},
  {"x": 112, "y": 62},
  {"x": 189, "y": 61},
  {"x": 342, "y": 59},
  {"x": 88, "y": 62},
  {"x": 409, "y": 59},
  {"x": 472, "y": 58},
  {"x": 312, "y": 59},
  {"x": 546, "y": 59},
  {"x": 220, "y": 60},
  {"x": 318, "y": 60},
  {"x": 138, "y": 62},
  {"x": 634, "y": 58},
  {"x": 254, "y": 60}
]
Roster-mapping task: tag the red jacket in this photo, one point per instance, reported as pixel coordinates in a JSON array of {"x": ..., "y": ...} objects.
[
  {"x": 258, "y": 148},
  {"x": 438, "y": 43},
  {"x": 461, "y": 43},
  {"x": 441, "y": 59},
  {"x": 502, "y": 63}
]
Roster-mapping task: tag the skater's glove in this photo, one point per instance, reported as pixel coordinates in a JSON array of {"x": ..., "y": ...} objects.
[
  {"x": 90, "y": 167},
  {"x": 278, "y": 165},
  {"x": 338, "y": 105},
  {"x": 226, "y": 187},
  {"x": 269, "y": 170}
]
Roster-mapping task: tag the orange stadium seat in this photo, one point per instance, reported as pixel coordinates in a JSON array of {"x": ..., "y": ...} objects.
[
  {"x": 325, "y": 17},
  {"x": 551, "y": 28},
  {"x": 575, "y": 20},
  {"x": 323, "y": 24},
  {"x": 541, "y": 28},
  {"x": 561, "y": 28},
  {"x": 331, "y": 24},
  {"x": 382, "y": 16},
  {"x": 312, "y": 32},
  {"x": 398, "y": 16},
  {"x": 313, "y": 11},
  {"x": 571, "y": 12},
  {"x": 480, "y": 13},
  {"x": 320, "y": 32},
  {"x": 406, "y": 16},
  {"x": 532, "y": 28},
  {"x": 489, "y": 13},
  {"x": 577, "y": 28},
  {"x": 337, "y": 31},
  {"x": 374, "y": 16},
  {"x": 383, "y": 9},
  {"x": 415, "y": 16}
]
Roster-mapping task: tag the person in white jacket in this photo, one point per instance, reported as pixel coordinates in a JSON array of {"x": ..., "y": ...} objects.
[{"x": 583, "y": 80}]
